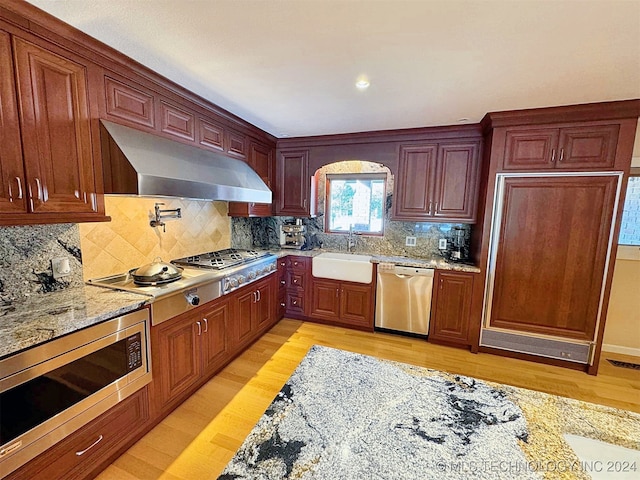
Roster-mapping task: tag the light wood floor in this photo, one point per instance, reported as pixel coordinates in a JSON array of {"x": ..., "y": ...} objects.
[{"x": 198, "y": 439}]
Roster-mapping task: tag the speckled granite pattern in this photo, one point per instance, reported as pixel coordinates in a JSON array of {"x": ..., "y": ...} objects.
[
  {"x": 25, "y": 256},
  {"x": 349, "y": 416},
  {"x": 437, "y": 263},
  {"x": 40, "y": 318}
]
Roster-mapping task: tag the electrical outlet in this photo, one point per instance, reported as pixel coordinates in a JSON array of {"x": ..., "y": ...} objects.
[
  {"x": 60, "y": 267},
  {"x": 442, "y": 244},
  {"x": 410, "y": 241}
]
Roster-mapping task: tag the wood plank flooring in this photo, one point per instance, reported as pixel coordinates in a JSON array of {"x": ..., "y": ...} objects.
[{"x": 198, "y": 439}]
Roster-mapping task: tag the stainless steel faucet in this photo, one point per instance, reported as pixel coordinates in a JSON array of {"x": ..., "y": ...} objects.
[{"x": 351, "y": 240}]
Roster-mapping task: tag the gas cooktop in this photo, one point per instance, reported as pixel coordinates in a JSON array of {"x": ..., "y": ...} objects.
[{"x": 221, "y": 259}]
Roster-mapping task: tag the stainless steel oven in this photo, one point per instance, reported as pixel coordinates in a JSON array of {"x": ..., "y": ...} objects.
[{"x": 51, "y": 390}]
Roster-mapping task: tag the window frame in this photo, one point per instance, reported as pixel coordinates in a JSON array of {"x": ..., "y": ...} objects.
[
  {"x": 634, "y": 172},
  {"x": 353, "y": 176}
]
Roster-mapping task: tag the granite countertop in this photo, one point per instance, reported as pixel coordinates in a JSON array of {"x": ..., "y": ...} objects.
[
  {"x": 43, "y": 317},
  {"x": 437, "y": 263}
]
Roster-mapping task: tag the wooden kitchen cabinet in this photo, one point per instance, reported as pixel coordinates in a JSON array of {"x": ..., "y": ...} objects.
[
  {"x": 579, "y": 147},
  {"x": 296, "y": 278},
  {"x": 12, "y": 180},
  {"x": 437, "y": 182},
  {"x": 188, "y": 349},
  {"x": 294, "y": 192},
  {"x": 254, "y": 311},
  {"x": 550, "y": 268},
  {"x": 451, "y": 307},
  {"x": 342, "y": 303},
  {"x": 131, "y": 104},
  {"x": 90, "y": 449},
  {"x": 261, "y": 160},
  {"x": 56, "y": 131}
]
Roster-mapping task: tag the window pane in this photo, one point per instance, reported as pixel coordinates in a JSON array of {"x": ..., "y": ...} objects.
[
  {"x": 355, "y": 202},
  {"x": 630, "y": 226}
]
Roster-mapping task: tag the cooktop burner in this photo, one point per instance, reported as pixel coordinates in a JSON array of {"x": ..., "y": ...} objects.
[{"x": 221, "y": 258}]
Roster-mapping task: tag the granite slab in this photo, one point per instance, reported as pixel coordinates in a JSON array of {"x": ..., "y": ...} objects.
[
  {"x": 43, "y": 317},
  {"x": 350, "y": 416},
  {"x": 437, "y": 263}
]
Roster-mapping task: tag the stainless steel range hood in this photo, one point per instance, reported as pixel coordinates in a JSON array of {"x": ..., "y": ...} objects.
[{"x": 138, "y": 163}]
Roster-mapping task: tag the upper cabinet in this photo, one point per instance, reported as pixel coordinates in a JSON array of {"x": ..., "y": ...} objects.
[
  {"x": 54, "y": 175},
  {"x": 261, "y": 160},
  {"x": 12, "y": 183},
  {"x": 437, "y": 182},
  {"x": 128, "y": 103},
  {"x": 294, "y": 192},
  {"x": 578, "y": 147}
]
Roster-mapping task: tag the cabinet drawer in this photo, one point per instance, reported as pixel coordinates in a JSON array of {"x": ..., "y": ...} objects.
[
  {"x": 298, "y": 264},
  {"x": 295, "y": 303},
  {"x": 296, "y": 280},
  {"x": 84, "y": 453}
]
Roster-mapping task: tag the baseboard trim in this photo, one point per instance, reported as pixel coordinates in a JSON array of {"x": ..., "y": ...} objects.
[{"x": 635, "y": 352}]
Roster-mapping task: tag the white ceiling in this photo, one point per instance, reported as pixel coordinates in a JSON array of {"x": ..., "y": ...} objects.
[{"x": 289, "y": 66}]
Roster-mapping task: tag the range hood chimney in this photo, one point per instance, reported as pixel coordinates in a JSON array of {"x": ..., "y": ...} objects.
[{"x": 138, "y": 163}]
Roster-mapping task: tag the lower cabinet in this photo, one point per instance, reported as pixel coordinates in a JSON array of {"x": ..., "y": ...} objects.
[
  {"x": 344, "y": 303},
  {"x": 254, "y": 311},
  {"x": 451, "y": 307},
  {"x": 186, "y": 349},
  {"x": 87, "y": 451}
]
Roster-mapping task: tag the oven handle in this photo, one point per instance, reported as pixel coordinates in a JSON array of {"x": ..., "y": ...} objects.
[{"x": 82, "y": 452}]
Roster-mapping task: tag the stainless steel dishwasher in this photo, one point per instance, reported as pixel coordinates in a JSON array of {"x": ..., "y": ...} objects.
[{"x": 403, "y": 299}]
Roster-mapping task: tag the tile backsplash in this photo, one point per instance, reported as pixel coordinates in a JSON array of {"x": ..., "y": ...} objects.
[
  {"x": 25, "y": 259},
  {"x": 128, "y": 241}
]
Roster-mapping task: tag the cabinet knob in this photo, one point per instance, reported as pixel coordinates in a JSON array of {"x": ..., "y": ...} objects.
[
  {"x": 282, "y": 304},
  {"x": 295, "y": 302},
  {"x": 282, "y": 282}
]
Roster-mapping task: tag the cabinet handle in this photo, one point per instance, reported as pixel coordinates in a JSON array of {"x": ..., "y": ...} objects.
[
  {"x": 282, "y": 264},
  {"x": 82, "y": 452},
  {"x": 199, "y": 328},
  {"x": 255, "y": 297},
  {"x": 553, "y": 155},
  {"x": 259, "y": 295},
  {"x": 337, "y": 292},
  {"x": 206, "y": 324},
  {"x": 38, "y": 188},
  {"x": 435, "y": 208},
  {"x": 430, "y": 205},
  {"x": 282, "y": 282},
  {"x": 561, "y": 154},
  {"x": 282, "y": 304},
  {"x": 19, "y": 182},
  {"x": 304, "y": 203}
]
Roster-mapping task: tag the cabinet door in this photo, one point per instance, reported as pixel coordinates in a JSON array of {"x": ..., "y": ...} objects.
[
  {"x": 588, "y": 148},
  {"x": 456, "y": 181},
  {"x": 325, "y": 299},
  {"x": 176, "y": 356},
  {"x": 242, "y": 330},
  {"x": 265, "y": 303},
  {"x": 415, "y": 182},
  {"x": 177, "y": 122},
  {"x": 531, "y": 149},
  {"x": 551, "y": 255},
  {"x": 56, "y": 133},
  {"x": 236, "y": 144},
  {"x": 293, "y": 183},
  {"x": 450, "y": 318},
  {"x": 211, "y": 134},
  {"x": 12, "y": 193},
  {"x": 261, "y": 160},
  {"x": 215, "y": 321},
  {"x": 356, "y": 304}
]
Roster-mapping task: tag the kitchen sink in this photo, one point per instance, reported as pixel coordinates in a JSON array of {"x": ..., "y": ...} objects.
[{"x": 343, "y": 266}]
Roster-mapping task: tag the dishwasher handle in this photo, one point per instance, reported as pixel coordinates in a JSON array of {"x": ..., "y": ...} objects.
[{"x": 408, "y": 271}]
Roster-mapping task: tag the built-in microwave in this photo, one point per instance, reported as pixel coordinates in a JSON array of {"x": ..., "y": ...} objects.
[{"x": 51, "y": 390}]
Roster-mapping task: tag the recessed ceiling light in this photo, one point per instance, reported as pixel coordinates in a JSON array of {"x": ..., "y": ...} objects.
[
  {"x": 362, "y": 83},
  {"x": 463, "y": 120}
]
